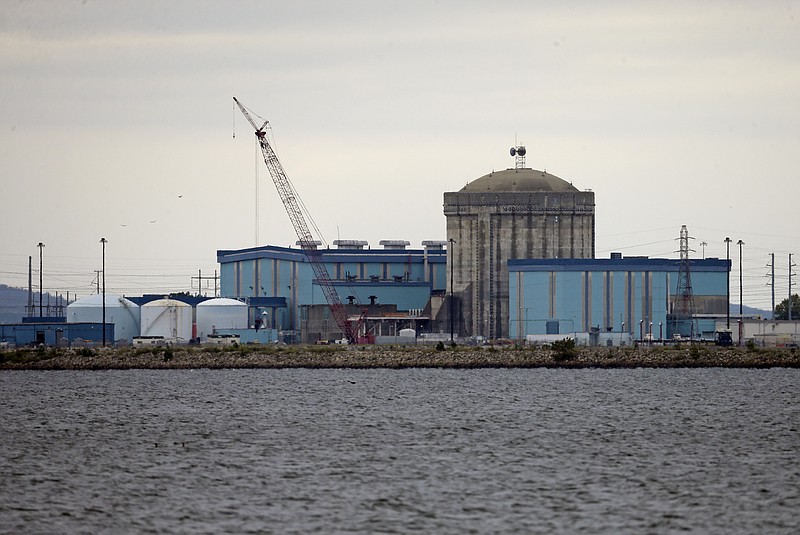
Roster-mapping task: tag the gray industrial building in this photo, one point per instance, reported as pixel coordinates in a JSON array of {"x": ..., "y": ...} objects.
[{"x": 512, "y": 214}]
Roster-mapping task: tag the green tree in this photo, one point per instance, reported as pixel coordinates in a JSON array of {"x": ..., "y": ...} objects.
[{"x": 781, "y": 309}]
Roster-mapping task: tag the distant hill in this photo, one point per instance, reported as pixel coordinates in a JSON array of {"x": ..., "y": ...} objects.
[
  {"x": 12, "y": 304},
  {"x": 750, "y": 311},
  {"x": 14, "y": 300}
]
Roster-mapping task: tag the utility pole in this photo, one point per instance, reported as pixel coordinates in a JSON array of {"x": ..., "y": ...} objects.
[
  {"x": 450, "y": 255},
  {"x": 29, "y": 312},
  {"x": 200, "y": 278},
  {"x": 728, "y": 282},
  {"x": 772, "y": 283},
  {"x": 97, "y": 273},
  {"x": 789, "y": 304},
  {"x": 104, "y": 241},
  {"x": 741, "y": 287},
  {"x": 40, "y": 246},
  {"x": 703, "y": 245}
]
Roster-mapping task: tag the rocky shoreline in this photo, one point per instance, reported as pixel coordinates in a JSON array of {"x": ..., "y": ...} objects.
[{"x": 395, "y": 357}]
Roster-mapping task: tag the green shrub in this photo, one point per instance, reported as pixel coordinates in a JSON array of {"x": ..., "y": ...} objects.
[
  {"x": 168, "y": 354},
  {"x": 440, "y": 346},
  {"x": 564, "y": 350}
]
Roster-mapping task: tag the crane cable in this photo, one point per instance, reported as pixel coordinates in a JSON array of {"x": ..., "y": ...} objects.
[{"x": 271, "y": 140}]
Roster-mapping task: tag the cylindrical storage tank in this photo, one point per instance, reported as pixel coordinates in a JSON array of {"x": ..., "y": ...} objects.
[
  {"x": 123, "y": 313},
  {"x": 220, "y": 313},
  {"x": 168, "y": 318}
]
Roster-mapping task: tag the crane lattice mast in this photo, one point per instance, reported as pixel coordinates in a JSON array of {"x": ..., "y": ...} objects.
[{"x": 290, "y": 202}]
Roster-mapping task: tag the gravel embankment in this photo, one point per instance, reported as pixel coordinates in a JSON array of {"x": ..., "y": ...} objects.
[{"x": 394, "y": 357}]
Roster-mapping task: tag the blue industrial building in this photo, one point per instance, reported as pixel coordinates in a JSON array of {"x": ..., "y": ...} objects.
[
  {"x": 54, "y": 334},
  {"x": 281, "y": 282},
  {"x": 623, "y": 295},
  {"x": 631, "y": 296}
]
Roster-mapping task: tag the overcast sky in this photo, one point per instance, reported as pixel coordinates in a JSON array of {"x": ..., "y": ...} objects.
[{"x": 118, "y": 122}]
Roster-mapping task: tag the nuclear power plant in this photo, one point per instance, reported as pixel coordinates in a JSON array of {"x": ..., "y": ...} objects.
[{"x": 517, "y": 263}]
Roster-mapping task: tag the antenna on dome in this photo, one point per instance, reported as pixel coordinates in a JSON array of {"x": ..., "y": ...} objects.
[{"x": 519, "y": 154}]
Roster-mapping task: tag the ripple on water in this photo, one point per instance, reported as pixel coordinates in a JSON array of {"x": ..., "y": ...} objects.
[{"x": 445, "y": 451}]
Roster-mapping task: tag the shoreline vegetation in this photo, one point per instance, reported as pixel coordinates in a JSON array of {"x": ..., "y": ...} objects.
[{"x": 563, "y": 355}]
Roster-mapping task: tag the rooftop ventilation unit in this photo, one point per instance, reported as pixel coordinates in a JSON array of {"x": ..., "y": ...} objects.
[
  {"x": 434, "y": 244},
  {"x": 350, "y": 244},
  {"x": 315, "y": 242},
  {"x": 395, "y": 244}
]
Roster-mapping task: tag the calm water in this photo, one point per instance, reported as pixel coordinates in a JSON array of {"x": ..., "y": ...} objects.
[{"x": 387, "y": 451}]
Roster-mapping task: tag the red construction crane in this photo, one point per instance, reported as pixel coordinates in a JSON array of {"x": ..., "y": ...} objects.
[{"x": 290, "y": 201}]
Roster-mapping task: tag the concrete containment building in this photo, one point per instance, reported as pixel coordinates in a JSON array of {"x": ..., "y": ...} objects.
[{"x": 512, "y": 214}]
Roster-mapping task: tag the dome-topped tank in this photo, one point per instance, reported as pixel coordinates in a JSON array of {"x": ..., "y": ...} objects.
[
  {"x": 512, "y": 214},
  {"x": 168, "y": 318},
  {"x": 519, "y": 180},
  {"x": 220, "y": 313},
  {"x": 123, "y": 313}
]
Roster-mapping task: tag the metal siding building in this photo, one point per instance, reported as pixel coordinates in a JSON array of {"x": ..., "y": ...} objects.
[
  {"x": 55, "y": 334},
  {"x": 561, "y": 296},
  {"x": 404, "y": 277}
]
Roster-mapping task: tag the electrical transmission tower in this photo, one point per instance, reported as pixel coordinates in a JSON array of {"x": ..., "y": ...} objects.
[{"x": 683, "y": 307}]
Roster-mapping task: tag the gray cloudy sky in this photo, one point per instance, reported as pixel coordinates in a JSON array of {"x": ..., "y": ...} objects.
[{"x": 117, "y": 122}]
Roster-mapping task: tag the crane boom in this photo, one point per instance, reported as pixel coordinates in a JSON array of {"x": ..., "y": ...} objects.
[{"x": 290, "y": 202}]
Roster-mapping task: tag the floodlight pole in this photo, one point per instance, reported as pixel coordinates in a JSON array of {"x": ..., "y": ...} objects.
[
  {"x": 450, "y": 255},
  {"x": 104, "y": 241}
]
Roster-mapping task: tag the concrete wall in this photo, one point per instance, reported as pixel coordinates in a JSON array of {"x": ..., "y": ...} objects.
[{"x": 491, "y": 228}]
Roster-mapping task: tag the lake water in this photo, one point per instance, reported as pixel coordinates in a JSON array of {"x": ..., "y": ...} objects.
[{"x": 400, "y": 451}]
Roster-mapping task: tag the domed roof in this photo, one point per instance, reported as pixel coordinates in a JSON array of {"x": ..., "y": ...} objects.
[
  {"x": 519, "y": 180},
  {"x": 166, "y": 302},
  {"x": 96, "y": 300},
  {"x": 222, "y": 302}
]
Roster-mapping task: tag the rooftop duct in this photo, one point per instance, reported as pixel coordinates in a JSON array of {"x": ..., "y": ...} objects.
[
  {"x": 434, "y": 244},
  {"x": 395, "y": 244},
  {"x": 350, "y": 244}
]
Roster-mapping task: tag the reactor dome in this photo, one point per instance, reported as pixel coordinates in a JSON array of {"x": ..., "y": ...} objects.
[
  {"x": 519, "y": 180},
  {"x": 506, "y": 215}
]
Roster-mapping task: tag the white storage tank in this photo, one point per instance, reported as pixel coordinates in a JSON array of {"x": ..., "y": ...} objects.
[
  {"x": 123, "y": 313},
  {"x": 169, "y": 318},
  {"x": 407, "y": 333},
  {"x": 220, "y": 313}
]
